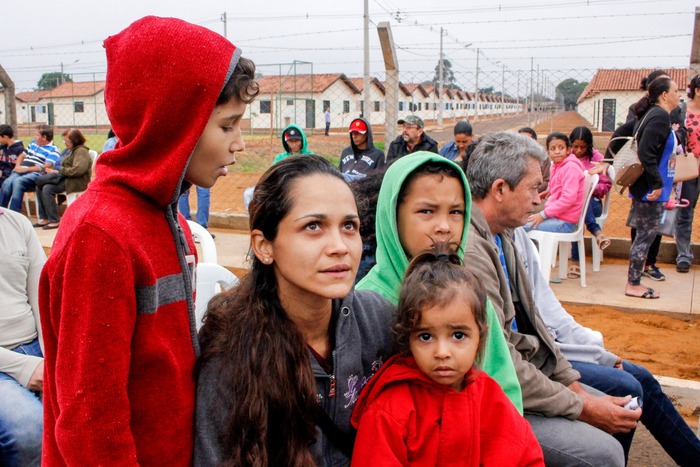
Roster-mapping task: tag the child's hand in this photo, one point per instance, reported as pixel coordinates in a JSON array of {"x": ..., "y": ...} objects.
[
  {"x": 544, "y": 195},
  {"x": 535, "y": 220}
]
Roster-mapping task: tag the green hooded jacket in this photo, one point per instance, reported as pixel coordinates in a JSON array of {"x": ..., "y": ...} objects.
[
  {"x": 387, "y": 275},
  {"x": 287, "y": 153}
]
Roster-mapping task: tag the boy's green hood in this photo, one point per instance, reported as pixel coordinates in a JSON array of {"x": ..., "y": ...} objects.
[
  {"x": 387, "y": 275},
  {"x": 287, "y": 153}
]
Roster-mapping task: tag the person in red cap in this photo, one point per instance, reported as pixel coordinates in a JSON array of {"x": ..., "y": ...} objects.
[
  {"x": 362, "y": 156},
  {"x": 116, "y": 296}
]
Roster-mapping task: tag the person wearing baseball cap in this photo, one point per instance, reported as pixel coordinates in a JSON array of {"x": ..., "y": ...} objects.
[
  {"x": 411, "y": 139},
  {"x": 294, "y": 143},
  {"x": 362, "y": 156}
]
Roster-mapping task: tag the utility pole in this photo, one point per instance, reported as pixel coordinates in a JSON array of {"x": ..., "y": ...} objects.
[
  {"x": 10, "y": 102},
  {"x": 695, "y": 49},
  {"x": 503, "y": 87},
  {"x": 441, "y": 80},
  {"x": 223, "y": 19},
  {"x": 365, "y": 83},
  {"x": 532, "y": 93},
  {"x": 476, "y": 92},
  {"x": 391, "y": 65}
]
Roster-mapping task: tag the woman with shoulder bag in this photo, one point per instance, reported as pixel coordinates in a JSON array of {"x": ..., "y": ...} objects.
[
  {"x": 656, "y": 144},
  {"x": 690, "y": 188},
  {"x": 71, "y": 176}
]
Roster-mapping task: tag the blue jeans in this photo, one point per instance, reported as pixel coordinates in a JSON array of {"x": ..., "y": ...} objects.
[
  {"x": 21, "y": 418},
  {"x": 595, "y": 209},
  {"x": 684, "y": 221},
  {"x": 14, "y": 187},
  {"x": 203, "y": 203},
  {"x": 658, "y": 413},
  {"x": 552, "y": 224}
]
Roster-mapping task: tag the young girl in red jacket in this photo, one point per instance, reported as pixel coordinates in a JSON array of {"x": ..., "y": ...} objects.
[
  {"x": 429, "y": 405},
  {"x": 563, "y": 206}
]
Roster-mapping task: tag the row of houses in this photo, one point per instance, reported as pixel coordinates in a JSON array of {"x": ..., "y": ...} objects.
[{"x": 300, "y": 99}]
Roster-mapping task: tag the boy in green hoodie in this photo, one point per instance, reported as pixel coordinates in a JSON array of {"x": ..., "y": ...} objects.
[
  {"x": 414, "y": 191},
  {"x": 294, "y": 143}
]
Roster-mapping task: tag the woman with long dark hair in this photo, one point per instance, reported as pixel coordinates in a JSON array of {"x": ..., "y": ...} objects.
[
  {"x": 656, "y": 149},
  {"x": 286, "y": 352}
]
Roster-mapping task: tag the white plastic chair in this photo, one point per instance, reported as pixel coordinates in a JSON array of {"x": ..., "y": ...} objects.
[
  {"x": 205, "y": 241},
  {"x": 548, "y": 241},
  {"x": 596, "y": 252},
  {"x": 211, "y": 279}
]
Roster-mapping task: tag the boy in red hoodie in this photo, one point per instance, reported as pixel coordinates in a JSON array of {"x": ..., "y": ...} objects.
[
  {"x": 428, "y": 405},
  {"x": 116, "y": 296}
]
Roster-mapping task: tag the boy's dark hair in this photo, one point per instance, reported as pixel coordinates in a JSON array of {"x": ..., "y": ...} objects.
[
  {"x": 241, "y": 85},
  {"x": 6, "y": 130},
  {"x": 435, "y": 278},
  {"x": 557, "y": 135},
  {"x": 429, "y": 168},
  {"x": 46, "y": 131},
  {"x": 529, "y": 131}
]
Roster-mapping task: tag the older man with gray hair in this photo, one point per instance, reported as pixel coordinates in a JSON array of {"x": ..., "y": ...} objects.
[{"x": 571, "y": 423}]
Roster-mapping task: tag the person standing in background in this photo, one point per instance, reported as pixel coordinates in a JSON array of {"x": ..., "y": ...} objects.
[{"x": 327, "y": 117}]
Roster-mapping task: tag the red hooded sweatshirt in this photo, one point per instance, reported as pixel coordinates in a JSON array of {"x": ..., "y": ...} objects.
[
  {"x": 116, "y": 295},
  {"x": 405, "y": 418}
]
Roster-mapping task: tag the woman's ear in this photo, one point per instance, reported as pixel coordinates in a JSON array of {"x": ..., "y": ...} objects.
[{"x": 262, "y": 247}]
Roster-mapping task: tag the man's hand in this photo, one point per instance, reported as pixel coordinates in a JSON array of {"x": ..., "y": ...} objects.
[
  {"x": 36, "y": 382},
  {"x": 21, "y": 169},
  {"x": 606, "y": 412}
]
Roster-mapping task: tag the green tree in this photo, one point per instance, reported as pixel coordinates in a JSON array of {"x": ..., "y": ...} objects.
[
  {"x": 51, "y": 80},
  {"x": 488, "y": 90},
  {"x": 570, "y": 90},
  {"x": 448, "y": 75}
]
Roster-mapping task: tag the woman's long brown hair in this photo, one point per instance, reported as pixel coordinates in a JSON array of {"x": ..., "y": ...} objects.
[{"x": 265, "y": 373}]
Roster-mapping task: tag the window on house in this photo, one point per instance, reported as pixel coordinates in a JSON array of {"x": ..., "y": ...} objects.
[
  {"x": 265, "y": 107},
  {"x": 290, "y": 102},
  {"x": 326, "y": 105},
  {"x": 346, "y": 107},
  {"x": 78, "y": 107},
  {"x": 420, "y": 105},
  {"x": 376, "y": 106},
  {"x": 401, "y": 106}
]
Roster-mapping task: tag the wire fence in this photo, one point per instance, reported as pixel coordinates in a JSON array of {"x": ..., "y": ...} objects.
[{"x": 545, "y": 99}]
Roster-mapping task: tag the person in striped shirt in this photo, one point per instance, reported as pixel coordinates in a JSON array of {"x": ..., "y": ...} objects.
[{"x": 40, "y": 154}]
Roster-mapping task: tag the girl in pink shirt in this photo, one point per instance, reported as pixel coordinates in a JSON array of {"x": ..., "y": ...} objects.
[{"x": 563, "y": 207}]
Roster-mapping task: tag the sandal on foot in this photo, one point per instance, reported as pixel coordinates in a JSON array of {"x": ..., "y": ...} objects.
[
  {"x": 649, "y": 294},
  {"x": 574, "y": 272},
  {"x": 602, "y": 240}
]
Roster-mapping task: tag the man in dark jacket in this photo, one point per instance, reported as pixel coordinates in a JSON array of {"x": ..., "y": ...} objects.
[
  {"x": 412, "y": 139},
  {"x": 362, "y": 156}
]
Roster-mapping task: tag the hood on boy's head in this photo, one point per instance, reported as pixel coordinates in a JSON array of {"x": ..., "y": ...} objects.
[
  {"x": 164, "y": 76},
  {"x": 386, "y": 276},
  {"x": 296, "y": 131},
  {"x": 364, "y": 123}
]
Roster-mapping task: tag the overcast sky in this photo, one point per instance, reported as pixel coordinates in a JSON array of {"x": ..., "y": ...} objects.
[{"x": 37, "y": 37}]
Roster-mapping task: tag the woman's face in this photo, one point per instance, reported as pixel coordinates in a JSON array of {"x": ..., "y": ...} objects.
[
  {"x": 67, "y": 142},
  {"x": 673, "y": 96},
  {"x": 432, "y": 210},
  {"x": 318, "y": 246}
]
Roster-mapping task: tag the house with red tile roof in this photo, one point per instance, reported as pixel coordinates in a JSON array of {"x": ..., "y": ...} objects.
[
  {"x": 70, "y": 104},
  {"x": 302, "y": 98},
  {"x": 606, "y": 100}
]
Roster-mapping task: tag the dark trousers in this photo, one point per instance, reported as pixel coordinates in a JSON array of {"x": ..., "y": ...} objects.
[{"x": 47, "y": 187}]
